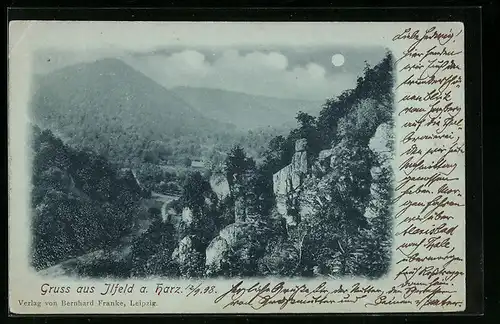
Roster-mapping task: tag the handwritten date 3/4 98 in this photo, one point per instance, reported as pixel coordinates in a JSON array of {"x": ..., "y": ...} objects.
[
  {"x": 189, "y": 290},
  {"x": 200, "y": 289}
]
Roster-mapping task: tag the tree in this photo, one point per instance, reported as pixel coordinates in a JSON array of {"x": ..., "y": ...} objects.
[
  {"x": 277, "y": 155},
  {"x": 202, "y": 203},
  {"x": 186, "y": 162},
  {"x": 76, "y": 209},
  {"x": 308, "y": 129},
  {"x": 333, "y": 242},
  {"x": 306, "y": 122},
  {"x": 281, "y": 258},
  {"x": 151, "y": 252},
  {"x": 237, "y": 163},
  {"x": 194, "y": 189}
]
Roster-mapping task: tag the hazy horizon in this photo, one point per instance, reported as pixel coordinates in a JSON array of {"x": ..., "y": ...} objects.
[{"x": 278, "y": 72}]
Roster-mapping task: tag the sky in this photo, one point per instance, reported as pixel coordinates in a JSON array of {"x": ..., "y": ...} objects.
[{"x": 271, "y": 60}]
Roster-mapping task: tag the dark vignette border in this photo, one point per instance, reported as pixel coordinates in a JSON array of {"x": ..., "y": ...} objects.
[{"x": 470, "y": 16}]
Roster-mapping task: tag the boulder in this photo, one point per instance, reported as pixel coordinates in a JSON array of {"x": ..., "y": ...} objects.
[
  {"x": 209, "y": 202},
  {"x": 290, "y": 177}
]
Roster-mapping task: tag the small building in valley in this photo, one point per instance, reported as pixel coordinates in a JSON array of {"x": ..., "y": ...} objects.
[{"x": 197, "y": 164}]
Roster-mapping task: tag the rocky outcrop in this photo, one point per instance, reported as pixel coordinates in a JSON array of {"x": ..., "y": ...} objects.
[
  {"x": 314, "y": 194},
  {"x": 325, "y": 154},
  {"x": 287, "y": 181},
  {"x": 190, "y": 261},
  {"x": 301, "y": 190},
  {"x": 239, "y": 210},
  {"x": 181, "y": 252},
  {"x": 167, "y": 212},
  {"x": 222, "y": 246},
  {"x": 216, "y": 256},
  {"x": 236, "y": 245},
  {"x": 187, "y": 215},
  {"x": 381, "y": 145},
  {"x": 220, "y": 186}
]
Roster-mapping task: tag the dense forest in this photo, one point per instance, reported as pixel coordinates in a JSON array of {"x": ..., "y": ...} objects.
[
  {"x": 81, "y": 202},
  {"x": 129, "y": 119},
  {"x": 93, "y": 217}
]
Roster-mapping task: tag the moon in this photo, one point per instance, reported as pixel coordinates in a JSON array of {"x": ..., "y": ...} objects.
[{"x": 338, "y": 60}]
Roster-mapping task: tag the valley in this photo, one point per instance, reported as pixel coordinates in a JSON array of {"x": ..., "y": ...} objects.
[{"x": 131, "y": 179}]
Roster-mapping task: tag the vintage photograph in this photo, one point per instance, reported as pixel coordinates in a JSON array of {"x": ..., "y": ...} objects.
[{"x": 232, "y": 161}]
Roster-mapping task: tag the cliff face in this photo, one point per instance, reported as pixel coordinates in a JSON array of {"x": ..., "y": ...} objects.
[
  {"x": 301, "y": 190},
  {"x": 288, "y": 180},
  {"x": 381, "y": 146}
]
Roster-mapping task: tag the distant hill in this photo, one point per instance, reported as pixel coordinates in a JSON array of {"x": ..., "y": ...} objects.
[
  {"x": 243, "y": 110},
  {"x": 114, "y": 109}
]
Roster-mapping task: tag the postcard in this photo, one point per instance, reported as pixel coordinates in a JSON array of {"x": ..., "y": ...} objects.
[{"x": 236, "y": 167}]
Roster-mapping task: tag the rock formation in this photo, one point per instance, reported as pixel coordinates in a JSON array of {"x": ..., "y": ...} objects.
[
  {"x": 287, "y": 181},
  {"x": 381, "y": 145},
  {"x": 239, "y": 210},
  {"x": 216, "y": 255},
  {"x": 301, "y": 190},
  {"x": 220, "y": 186},
  {"x": 187, "y": 215},
  {"x": 167, "y": 211},
  {"x": 190, "y": 261},
  {"x": 222, "y": 246},
  {"x": 235, "y": 245}
]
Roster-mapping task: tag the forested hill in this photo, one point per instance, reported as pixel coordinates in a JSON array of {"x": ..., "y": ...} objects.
[
  {"x": 114, "y": 109},
  {"x": 80, "y": 202},
  {"x": 244, "y": 110}
]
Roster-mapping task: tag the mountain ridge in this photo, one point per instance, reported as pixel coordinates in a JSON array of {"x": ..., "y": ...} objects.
[
  {"x": 113, "y": 108},
  {"x": 246, "y": 111}
]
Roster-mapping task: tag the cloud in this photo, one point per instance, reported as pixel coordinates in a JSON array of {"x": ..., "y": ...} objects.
[
  {"x": 190, "y": 60},
  {"x": 293, "y": 68},
  {"x": 257, "y": 72}
]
